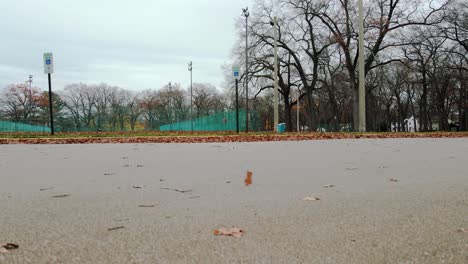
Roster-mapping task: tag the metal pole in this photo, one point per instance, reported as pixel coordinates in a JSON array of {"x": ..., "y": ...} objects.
[
  {"x": 170, "y": 107},
  {"x": 298, "y": 102},
  {"x": 30, "y": 90},
  {"x": 237, "y": 106},
  {"x": 51, "y": 114},
  {"x": 246, "y": 14},
  {"x": 362, "y": 77},
  {"x": 276, "y": 115},
  {"x": 191, "y": 93}
]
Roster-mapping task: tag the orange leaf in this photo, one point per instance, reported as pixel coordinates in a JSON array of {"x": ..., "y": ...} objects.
[{"x": 248, "y": 178}]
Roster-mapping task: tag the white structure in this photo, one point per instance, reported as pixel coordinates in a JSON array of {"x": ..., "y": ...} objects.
[{"x": 409, "y": 125}]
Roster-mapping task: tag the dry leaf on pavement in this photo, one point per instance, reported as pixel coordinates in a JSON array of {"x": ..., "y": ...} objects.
[
  {"x": 4, "y": 247},
  {"x": 462, "y": 230},
  {"x": 115, "y": 228},
  {"x": 248, "y": 178},
  {"x": 61, "y": 196},
  {"x": 311, "y": 199},
  {"x": 234, "y": 231},
  {"x": 393, "y": 180}
]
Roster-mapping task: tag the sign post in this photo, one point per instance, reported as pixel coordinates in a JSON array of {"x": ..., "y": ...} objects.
[
  {"x": 236, "y": 73},
  {"x": 49, "y": 69}
]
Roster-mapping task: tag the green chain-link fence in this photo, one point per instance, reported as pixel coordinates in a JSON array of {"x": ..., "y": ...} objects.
[
  {"x": 7, "y": 126},
  {"x": 224, "y": 121}
]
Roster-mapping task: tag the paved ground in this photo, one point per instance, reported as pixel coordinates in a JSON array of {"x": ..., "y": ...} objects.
[{"x": 366, "y": 218}]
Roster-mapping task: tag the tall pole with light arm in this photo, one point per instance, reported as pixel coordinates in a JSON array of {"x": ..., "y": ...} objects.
[
  {"x": 190, "y": 68},
  {"x": 246, "y": 14},
  {"x": 362, "y": 77},
  {"x": 275, "y": 77}
]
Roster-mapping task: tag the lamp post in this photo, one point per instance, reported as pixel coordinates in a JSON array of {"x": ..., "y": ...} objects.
[
  {"x": 169, "y": 107},
  {"x": 275, "y": 77},
  {"x": 190, "y": 68},
  {"x": 246, "y": 14},
  {"x": 362, "y": 77},
  {"x": 298, "y": 102}
]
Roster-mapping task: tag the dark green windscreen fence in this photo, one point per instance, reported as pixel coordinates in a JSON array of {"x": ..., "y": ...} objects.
[
  {"x": 224, "y": 121},
  {"x": 7, "y": 126}
]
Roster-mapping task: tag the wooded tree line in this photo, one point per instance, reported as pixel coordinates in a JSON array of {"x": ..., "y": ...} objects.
[
  {"x": 102, "y": 107},
  {"x": 416, "y": 61}
]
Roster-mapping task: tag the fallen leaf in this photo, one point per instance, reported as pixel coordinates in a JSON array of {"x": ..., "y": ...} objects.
[
  {"x": 115, "y": 228},
  {"x": 329, "y": 186},
  {"x": 308, "y": 198},
  {"x": 393, "y": 180},
  {"x": 235, "y": 232},
  {"x": 462, "y": 230},
  {"x": 248, "y": 178},
  {"x": 137, "y": 186},
  {"x": 5, "y": 247},
  {"x": 182, "y": 191},
  {"x": 61, "y": 196}
]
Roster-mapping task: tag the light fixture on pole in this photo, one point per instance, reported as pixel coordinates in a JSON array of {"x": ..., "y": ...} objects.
[
  {"x": 275, "y": 77},
  {"x": 362, "y": 77},
  {"x": 190, "y": 68},
  {"x": 246, "y": 14}
]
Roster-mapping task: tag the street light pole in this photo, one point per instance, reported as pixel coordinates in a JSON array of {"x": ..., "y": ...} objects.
[
  {"x": 190, "y": 68},
  {"x": 170, "y": 107},
  {"x": 362, "y": 77},
  {"x": 275, "y": 106},
  {"x": 245, "y": 12},
  {"x": 298, "y": 102}
]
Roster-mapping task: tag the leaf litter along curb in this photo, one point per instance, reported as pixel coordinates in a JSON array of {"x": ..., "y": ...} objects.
[
  {"x": 6, "y": 247},
  {"x": 234, "y": 232},
  {"x": 138, "y": 137}
]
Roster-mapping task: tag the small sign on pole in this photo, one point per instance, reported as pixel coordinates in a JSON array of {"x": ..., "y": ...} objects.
[
  {"x": 236, "y": 72},
  {"x": 49, "y": 69},
  {"x": 48, "y": 63}
]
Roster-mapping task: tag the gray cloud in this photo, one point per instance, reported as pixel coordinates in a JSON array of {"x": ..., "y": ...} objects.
[{"x": 134, "y": 44}]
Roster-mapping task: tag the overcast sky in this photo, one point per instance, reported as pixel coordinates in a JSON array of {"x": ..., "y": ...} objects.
[{"x": 134, "y": 44}]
